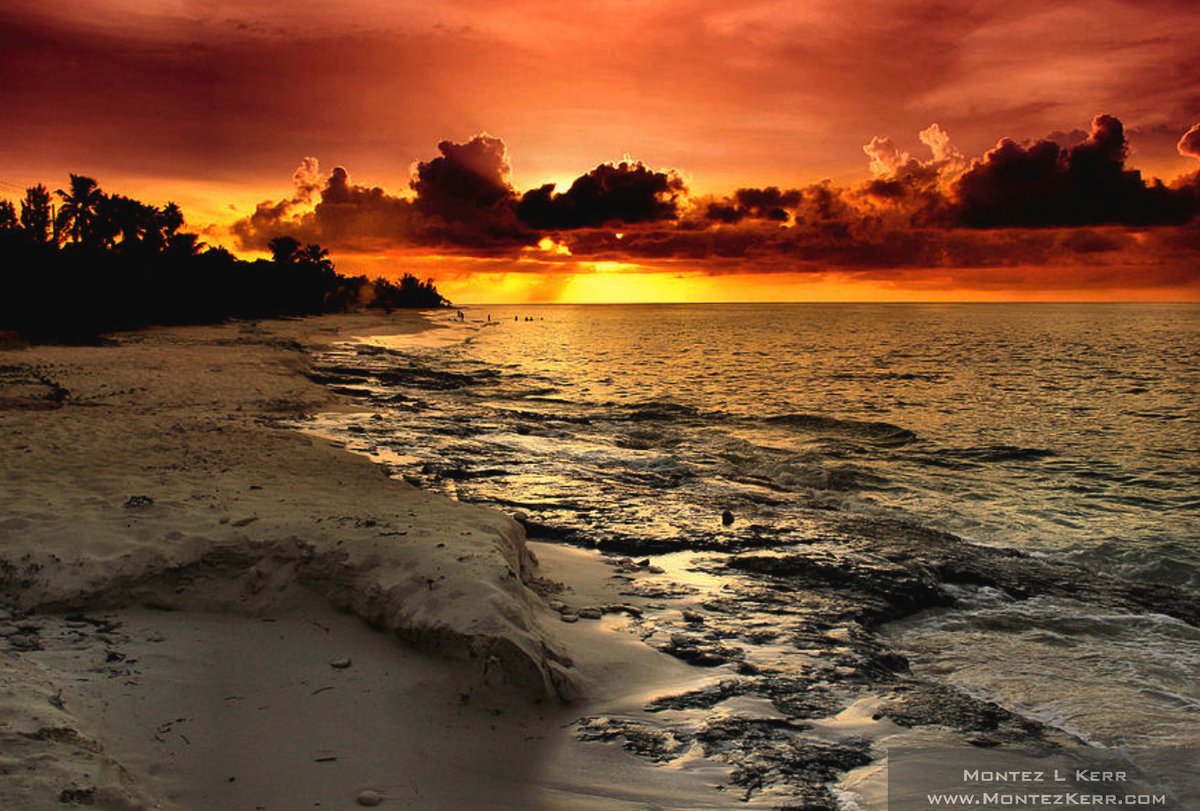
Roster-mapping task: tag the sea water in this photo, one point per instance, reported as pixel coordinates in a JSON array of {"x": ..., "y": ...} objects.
[{"x": 1067, "y": 430}]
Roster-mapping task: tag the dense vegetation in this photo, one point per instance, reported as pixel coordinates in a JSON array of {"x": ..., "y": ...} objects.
[{"x": 104, "y": 262}]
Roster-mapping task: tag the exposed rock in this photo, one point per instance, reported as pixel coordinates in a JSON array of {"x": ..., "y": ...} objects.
[
  {"x": 700, "y": 651},
  {"x": 651, "y": 742},
  {"x": 922, "y": 703},
  {"x": 369, "y": 798}
]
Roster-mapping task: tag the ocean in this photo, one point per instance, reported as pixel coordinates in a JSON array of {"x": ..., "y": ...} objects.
[{"x": 1067, "y": 432}]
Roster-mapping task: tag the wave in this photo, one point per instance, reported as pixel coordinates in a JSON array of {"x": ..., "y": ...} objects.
[
  {"x": 659, "y": 410},
  {"x": 883, "y": 433},
  {"x": 1000, "y": 453}
]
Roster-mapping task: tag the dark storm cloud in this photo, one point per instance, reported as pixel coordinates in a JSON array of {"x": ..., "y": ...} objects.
[
  {"x": 860, "y": 245},
  {"x": 463, "y": 199},
  {"x": 616, "y": 194},
  {"x": 768, "y": 203},
  {"x": 1045, "y": 184},
  {"x": 1031, "y": 204},
  {"x": 466, "y": 179}
]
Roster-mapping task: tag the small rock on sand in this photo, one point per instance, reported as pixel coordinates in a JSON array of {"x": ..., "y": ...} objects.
[
  {"x": 590, "y": 613},
  {"x": 370, "y": 797},
  {"x": 558, "y": 605},
  {"x": 569, "y": 616},
  {"x": 340, "y": 664}
]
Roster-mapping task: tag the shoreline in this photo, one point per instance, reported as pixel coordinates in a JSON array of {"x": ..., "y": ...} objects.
[
  {"x": 806, "y": 634},
  {"x": 191, "y": 581},
  {"x": 159, "y": 518}
]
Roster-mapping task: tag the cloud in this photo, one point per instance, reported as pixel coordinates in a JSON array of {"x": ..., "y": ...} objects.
[
  {"x": 346, "y": 216},
  {"x": 307, "y": 179},
  {"x": 889, "y": 163},
  {"x": 1189, "y": 144},
  {"x": 886, "y": 157},
  {"x": 1044, "y": 184},
  {"x": 465, "y": 179},
  {"x": 768, "y": 203},
  {"x": 619, "y": 194},
  {"x": 463, "y": 200},
  {"x": 466, "y": 198},
  {"x": 270, "y": 219},
  {"x": 1040, "y": 204}
]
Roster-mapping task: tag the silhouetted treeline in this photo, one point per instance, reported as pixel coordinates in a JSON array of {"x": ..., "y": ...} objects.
[{"x": 80, "y": 262}]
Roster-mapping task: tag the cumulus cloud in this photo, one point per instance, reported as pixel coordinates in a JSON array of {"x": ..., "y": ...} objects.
[
  {"x": 620, "y": 194},
  {"x": 768, "y": 203},
  {"x": 465, "y": 179},
  {"x": 306, "y": 179},
  {"x": 463, "y": 199},
  {"x": 1022, "y": 204},
  {"x": 346, "y": 215},
  {"x": 886, "y": 157},
  {"x": 1044, "y": 184},
  {"x": 891, "y": 165},
  {"x": 466, "y": 199}
]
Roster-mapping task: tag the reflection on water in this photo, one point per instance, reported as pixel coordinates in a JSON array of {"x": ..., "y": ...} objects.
[
  {"x": 1069, "y": 430},
  {"x": 1065, "y": 427}
]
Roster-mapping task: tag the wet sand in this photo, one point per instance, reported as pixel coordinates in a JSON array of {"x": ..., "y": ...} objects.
[
  {"x": 202, "y": 607},
  {"x": 207, "y": 602}
]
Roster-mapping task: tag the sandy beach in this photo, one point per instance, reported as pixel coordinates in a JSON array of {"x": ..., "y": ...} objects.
[
  {"x": 203, "y": 608},
  {"x": 211, "y": 600}
]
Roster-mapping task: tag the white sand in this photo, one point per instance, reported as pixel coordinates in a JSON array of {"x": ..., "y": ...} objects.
[{"x": 249, "y": 570}]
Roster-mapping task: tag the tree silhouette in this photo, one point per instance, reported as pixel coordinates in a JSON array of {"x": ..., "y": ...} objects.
[
  {"x": 80, "y": 209},
  {"x": 35, "y": 215},
  {"x": 167, "y": 222},
  {"x": 284, "y": 250},
  {"x": 8, "y": 218},
  {"x": 131, "y": 220},
  {"x": 316, "y": 256},
  {"x": 180, "y": 245},
  {"x": 127, "y": 264}
]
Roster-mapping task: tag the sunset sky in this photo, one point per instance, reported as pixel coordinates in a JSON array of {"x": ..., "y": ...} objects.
[{"x": 725, "y": 151}]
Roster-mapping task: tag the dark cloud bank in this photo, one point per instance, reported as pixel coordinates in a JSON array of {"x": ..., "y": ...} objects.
[{"x": 1037, "y": 202}]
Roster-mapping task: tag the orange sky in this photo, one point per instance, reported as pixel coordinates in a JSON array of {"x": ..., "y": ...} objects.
[{"x": 214, "y": 103}]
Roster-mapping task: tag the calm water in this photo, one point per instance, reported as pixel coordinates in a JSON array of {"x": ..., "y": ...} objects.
[{"x": 1071, "y": 430}]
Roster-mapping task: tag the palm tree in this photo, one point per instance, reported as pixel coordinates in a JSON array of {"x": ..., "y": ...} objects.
[
  {"x": 181, "y": 245},
  {"x": 284, "y": 250},
  {"x": 126, "y": 217},
  {"x": 316, "y": 256},
  {"x": 80, "y": 208},
  {"x": 35, "y": 214},
  {"x": 167, "y": 222}
]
